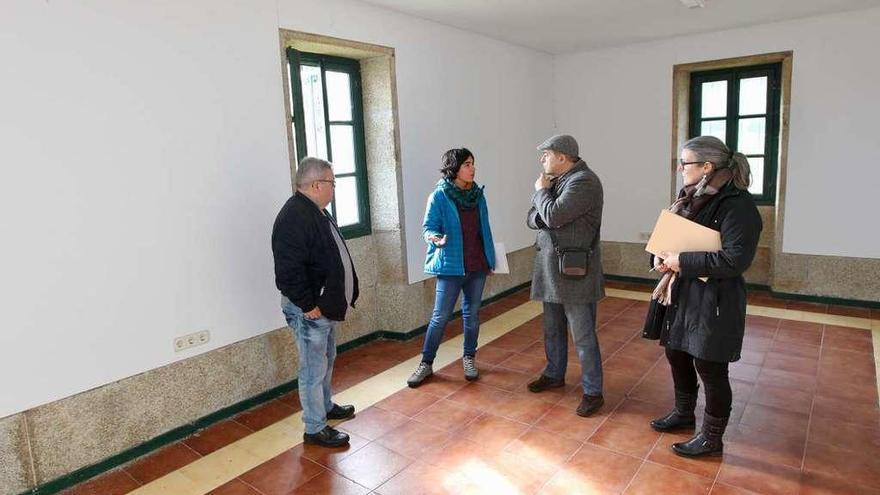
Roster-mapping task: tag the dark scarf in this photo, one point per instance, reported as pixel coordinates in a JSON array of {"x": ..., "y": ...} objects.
[
  {"x": 465, "y": 198},
  {"x": 691, "y": 199}
]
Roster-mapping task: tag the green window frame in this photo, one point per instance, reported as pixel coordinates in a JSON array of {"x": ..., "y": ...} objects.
[
  {"x": 351, "y": 124},
  {"x": 739, "y": 126}
]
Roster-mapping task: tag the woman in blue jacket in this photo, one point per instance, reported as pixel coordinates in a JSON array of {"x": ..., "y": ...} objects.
[{"x": 460, "y": 253}]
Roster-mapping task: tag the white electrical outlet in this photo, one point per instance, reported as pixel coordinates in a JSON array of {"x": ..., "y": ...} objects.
[{"x": 192, "y": 340}]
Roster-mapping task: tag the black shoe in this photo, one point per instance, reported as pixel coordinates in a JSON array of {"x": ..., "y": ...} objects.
[
  {"x": 706, "y": 443},
  {"x": 328, "y": 437},
  {"x": 340, "y": 412},
  {"x": 545, "y": 383},
  {"x": 589, "y": 405},
  {"x": 682, "y": 417}
]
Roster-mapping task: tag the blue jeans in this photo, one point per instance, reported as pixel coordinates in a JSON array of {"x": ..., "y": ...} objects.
[
  {"x": 582, "y": 318},
  {"x": 316, "y": 343},
  {"x": 448, "y": 287}
]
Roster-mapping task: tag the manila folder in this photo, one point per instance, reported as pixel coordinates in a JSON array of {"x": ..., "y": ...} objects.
[{"x": 676, "y": 234}]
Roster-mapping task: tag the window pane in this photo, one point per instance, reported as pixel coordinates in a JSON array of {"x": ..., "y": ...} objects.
[
  {"x": 346, "y": 201},
  {"x": 756, "y": 163},
  {"x": 717, "y": 128},
  {"x": 751, "y": 136},
  {"x": 313, "y": 111},
  {"x": 342, "y": 144},
  {"x": 338, "y": 95},
  {"x": 753, "y": 95},
  {"x": 714, "y": 99}
]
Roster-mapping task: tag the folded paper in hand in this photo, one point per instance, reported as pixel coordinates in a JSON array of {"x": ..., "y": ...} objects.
[{"x": 676, "y": 234}]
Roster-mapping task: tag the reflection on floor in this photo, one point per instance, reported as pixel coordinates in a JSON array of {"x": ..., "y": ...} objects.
[{"x": 805, "y": 418}]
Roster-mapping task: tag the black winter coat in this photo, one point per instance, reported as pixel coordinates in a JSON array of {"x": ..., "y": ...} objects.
[
  {"x": 707, "y": 319},
  {"x": 308, "y": 266}
]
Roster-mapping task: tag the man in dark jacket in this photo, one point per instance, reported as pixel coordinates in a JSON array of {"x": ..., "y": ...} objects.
[
  {"x": 567, "y": 212},
  {"x": 317, "y": 280}
]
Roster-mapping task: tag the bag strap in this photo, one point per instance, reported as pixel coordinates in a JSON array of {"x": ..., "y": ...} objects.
[{"x": 593, "y": 245}]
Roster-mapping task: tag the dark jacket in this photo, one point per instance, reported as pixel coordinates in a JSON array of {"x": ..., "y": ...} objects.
[
  {"x": 572, "y": 208},
  {"x": 707, "y": 319},
  {"x": 308, "y": 267}
]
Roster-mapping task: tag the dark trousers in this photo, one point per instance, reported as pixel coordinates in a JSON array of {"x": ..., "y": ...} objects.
[{"x": 716, "y": 382}]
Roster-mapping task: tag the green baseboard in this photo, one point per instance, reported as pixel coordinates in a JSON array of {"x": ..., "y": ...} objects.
[
  {"x": 781, "y": 295},
  {"x": 827, "y": 300},
  {"x": 181, "y": 432}
]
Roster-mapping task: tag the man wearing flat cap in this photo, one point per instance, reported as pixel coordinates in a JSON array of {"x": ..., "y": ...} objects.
[{"x": 567, "y": 213}]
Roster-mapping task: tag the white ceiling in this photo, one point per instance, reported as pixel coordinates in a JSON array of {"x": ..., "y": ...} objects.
[{"x": 564, "y": 26}]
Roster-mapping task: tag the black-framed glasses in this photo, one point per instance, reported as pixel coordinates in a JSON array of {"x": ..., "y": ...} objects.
[
  {"x": 683, "y": 163},
  {"x": 330, "y": 181}
]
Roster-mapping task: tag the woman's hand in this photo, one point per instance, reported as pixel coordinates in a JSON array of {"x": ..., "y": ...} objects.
[
  {"x": 670, "y": 261},
  {"x": 659, "y": 266},
  {"x": 438, "y": 240}
]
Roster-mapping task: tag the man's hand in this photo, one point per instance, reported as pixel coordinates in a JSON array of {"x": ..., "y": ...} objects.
[
  {"x": 313, "y": 314},
  {"x": 543, "y": 182},
  {"x": 438, "y": 240}
]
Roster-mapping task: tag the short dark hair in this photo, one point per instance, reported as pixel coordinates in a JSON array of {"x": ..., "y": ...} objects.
[{"x": 452, "y": 161}]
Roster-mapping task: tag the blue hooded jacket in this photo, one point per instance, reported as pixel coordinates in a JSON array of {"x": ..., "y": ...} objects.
[{"x": 441, "y": 218}]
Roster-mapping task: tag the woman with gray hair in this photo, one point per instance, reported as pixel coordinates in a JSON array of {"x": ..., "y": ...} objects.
[{"x": 704, "y": 293}]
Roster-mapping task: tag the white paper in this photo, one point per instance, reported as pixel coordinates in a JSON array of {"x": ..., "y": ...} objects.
[{"x": 501, "y": 258}]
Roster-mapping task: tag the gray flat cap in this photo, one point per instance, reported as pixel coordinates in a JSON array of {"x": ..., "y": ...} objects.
[{"x": 561, "y": 143}]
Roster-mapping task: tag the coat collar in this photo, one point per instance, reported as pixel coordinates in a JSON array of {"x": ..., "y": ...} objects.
[{"x": 579, "y": 166}]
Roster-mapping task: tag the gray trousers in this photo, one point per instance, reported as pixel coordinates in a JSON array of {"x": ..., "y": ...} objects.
[{"x": 581, "y": 318}]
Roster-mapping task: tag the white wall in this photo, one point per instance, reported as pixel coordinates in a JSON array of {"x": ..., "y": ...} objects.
[
  {"x": 618, "y": 101},
  {"x": 144, "y": 159},
  {"x": 454, "y": 89}
]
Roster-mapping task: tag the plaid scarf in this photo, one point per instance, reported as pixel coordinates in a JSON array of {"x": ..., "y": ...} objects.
[{"x": 691, "y": 199}]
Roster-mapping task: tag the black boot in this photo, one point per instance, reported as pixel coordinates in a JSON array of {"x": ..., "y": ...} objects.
[
  {"x": 682, "y": 417},
  {"x": 707, "y": 442}
]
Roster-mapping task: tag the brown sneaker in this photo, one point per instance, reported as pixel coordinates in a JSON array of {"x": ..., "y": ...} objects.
[
  {"x": 589, "y": 405},
  {"x": 545, "y": 383}
]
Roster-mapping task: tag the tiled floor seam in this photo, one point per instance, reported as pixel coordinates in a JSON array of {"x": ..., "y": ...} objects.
[
  {"x": 875, "y": 339},
  {"x": 812, "y": 404}
]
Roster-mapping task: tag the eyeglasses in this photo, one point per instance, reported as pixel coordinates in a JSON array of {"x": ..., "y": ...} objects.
[
  {"x": 683, "y": 163},
  {"x": 330, "y": 181}
]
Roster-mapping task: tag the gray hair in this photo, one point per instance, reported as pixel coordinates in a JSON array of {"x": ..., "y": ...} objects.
[
  {"x": 712, "y": 149},
  {"x": 309, "y": 170}
]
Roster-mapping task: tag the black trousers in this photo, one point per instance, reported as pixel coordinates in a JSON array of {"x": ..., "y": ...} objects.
[{"x": 716, "y": 382}]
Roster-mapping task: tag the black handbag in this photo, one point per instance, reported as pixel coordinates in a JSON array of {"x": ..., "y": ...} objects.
[
  {"x": 574, "y": 262},
  {"x": 654, "y": 320}
]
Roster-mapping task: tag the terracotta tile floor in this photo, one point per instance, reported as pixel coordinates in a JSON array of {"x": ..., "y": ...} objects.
[{"x": 805, "y": 420}]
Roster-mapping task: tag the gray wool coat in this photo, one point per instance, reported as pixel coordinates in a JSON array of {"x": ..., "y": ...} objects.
[{"x": 572, "y": 208}]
